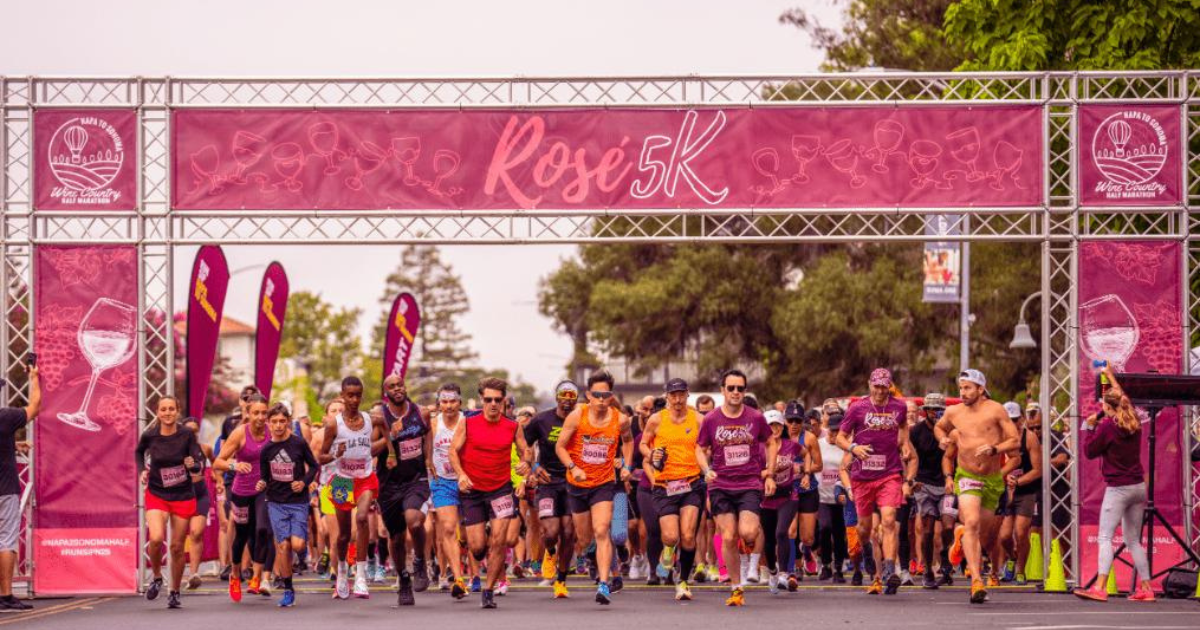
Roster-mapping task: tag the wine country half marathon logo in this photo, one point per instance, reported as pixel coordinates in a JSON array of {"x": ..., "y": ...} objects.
[
  {"x": 1130, "y": 149},
  {"x": 86, "y": 155}
]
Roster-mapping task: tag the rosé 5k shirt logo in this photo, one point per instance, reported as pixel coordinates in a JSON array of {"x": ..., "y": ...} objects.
[
  {"x": 1130, "y": 149},
  {"x": 86, "y": 154}
]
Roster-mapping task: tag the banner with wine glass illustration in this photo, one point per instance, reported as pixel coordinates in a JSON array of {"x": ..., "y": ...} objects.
[
  {"x": 1130, "y": 316},
  {"x": 86, "y": 336},
  {"x": 403, "y": 322},
  {"x": 206, "y": 303},
  {"x": 777, "y": 157},
  {"x": 1129, "y": 155},
  {"x": 86, "y": 159},
  {"x": 272, "y": 307}
]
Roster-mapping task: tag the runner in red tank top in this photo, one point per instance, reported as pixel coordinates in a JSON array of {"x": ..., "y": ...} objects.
[{"x": 481, "y": 454}]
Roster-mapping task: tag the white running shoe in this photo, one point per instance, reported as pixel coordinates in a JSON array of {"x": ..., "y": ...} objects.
[
  {"x": 748, "y": 576},
  {"x": 361, "y": 590},
  {"x": 773, "y": 584},
  {"x": 342, "y": 588},
  {"x": 905, "y": 579},
  {"x": 635, "y": 568},
  {"x": 546, "y": 582},
  {"x": 502, "y": 587}
]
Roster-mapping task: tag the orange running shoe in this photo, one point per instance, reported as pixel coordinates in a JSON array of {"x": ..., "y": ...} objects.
[
  {"x": 252, "y": 588},
  {"x": 235, "y": 588},
  {"x": 737, "y": 598},
  {"x": 876, "y": 587},
  {"x": 978, "y": 592},
  {"x": 956, "y": 550}
]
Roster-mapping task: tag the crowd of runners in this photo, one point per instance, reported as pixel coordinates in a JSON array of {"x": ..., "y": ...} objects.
[{"x": 880, "y": 491}]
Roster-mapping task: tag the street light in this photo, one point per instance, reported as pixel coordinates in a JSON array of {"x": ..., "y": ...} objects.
[{"x": 1022, "y": 337}]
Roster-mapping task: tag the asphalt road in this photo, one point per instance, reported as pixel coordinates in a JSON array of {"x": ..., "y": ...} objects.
[{"x": 637, "y": 606}]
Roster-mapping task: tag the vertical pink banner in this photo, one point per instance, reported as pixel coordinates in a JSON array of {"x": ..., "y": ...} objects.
[
  {"x": 85, "y": 159},
  {"x": 206, "y": 302},
  {"x": 1130, "y": 315},
  {"x": 272, "y": 307},
  {"x": 403, "y": 322},
  {"x": 85, "y": 537},
  {"x": 1130, "y": 155}
]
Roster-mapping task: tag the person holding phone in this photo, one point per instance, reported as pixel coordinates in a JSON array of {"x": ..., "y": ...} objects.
[{"x": 13, "y": 419}]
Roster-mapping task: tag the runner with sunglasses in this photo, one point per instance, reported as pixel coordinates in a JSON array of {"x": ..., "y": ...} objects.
[
  {"x": 736, "y": 440},
  {"x": 587, "y": 447},
  {"x": 929, "y": 491},
  {"x": 550, "y": 478}
]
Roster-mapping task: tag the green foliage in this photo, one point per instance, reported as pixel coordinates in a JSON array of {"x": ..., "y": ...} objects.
[
  {"x": 894, "y": 34},
  {"x": 322, "y": 338}
]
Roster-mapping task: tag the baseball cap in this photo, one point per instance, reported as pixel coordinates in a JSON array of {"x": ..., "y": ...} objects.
[
  {"x": 676, "y": 385},
  {"x": 774, "y": 417},
  {"x": 1013, "y": 410},
  {"x": 973, "y": 376},
  {"x": 934, "y": 400},
  {"x": 881, "y": 376},
  {"x": 832, "y": 408},
  {"x": 1033, "y": 406},
  {"x": 794, "y": 410}
]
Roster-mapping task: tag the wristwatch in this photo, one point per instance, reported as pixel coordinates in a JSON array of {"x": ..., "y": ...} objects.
[{"x": 571, "y": 466}]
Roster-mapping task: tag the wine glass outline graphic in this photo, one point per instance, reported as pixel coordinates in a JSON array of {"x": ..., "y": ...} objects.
[
  {"x": 1110, "y": 331},
  {"x": 323, "y": 137},
  {"x": 843, "y": 157},
  {"x": 923, "y": 160},
  {"x": 766, "y": 162},
  {"x": 205, "y": 164},
  {"x": 107, "y": 338},
  {"x": 367, "y": 159},
  {"x": 805, "y": 149},
  {"x": 248, "y": 149},
  {"x": 1008, "y": 159},
  {"x": 965, "y": 148},
  {"x": 289, "y": 161},
  {"x": 887, "y": 134},
  {"x": 407, "y": 150},
  {"x": 453, "y": 160}
]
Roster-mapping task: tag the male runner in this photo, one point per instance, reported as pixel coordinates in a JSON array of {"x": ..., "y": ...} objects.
[
  {"x": 550, "y": 478},
  {"x": 875, "y": 432},
  {"x": 481, "y": 455},
  {"x": 287, "y": 467},
  {"x": 587, "y": 447},
  {"x": 668, "y": 445},
  {"x": 737, "y": 440},
  {"x": 405, "y": 488},
  {"x": 929, "y": 491},
  {"x": 444, "y": 484},
  {"x": 352, "y": 440},
  {"x": 981, "y": 431}
]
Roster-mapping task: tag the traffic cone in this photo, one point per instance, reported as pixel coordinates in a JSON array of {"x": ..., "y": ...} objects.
[
  {"x": 1033, "y": 564},
  {"x": 1056, "y": 580},
  {"x": 1111, "y": 587},
  {"x": 1197, "y": 595}
]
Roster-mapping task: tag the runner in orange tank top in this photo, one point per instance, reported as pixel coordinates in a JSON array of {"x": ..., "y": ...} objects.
[{"x": 587, "y": 447}]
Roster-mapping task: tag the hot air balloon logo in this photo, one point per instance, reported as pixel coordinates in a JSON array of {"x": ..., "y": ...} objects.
[
  {"x": 86, "y": 154},
  {"x": 1129, "y": 148}
]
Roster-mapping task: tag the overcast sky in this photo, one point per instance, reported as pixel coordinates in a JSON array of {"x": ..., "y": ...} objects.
[{"x": 237, "y": 38}]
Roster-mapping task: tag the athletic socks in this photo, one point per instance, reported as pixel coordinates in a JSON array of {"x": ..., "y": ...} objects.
[
  {"x": 687, "y": 558},
  {"x": 384, "y": 552},
  {"x": 362, "y": 570},
  {"x": 287, "y": 583}
]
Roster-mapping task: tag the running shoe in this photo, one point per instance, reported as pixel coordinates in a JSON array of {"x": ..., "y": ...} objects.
[
  {"x": 254, "y": 585},
  {"x": 736, "y": 598},
  {"x": 914, "y": 567},
  {"x": 361, "y": 590},
  {"x": 666, "y": 562},
  {"x": 518, "y": 571},
  {"x": 264, "y": 590},
  {"x": 993, "y": 581},
  {"x": 653, "y": 580},
  {"x": 825, "y": 573},
  {"x": 682, "y": 592},
  {"x": 420, "y": 577},
  {"x": 792, "y": 583},
  {"x": 857, "y": 578},
  {"x": 979, "y": 593},
  {"x": 341, "y": 589},
  {"x": 235, "y": 588},
  {"x": 699, "y": 576},
  {"x": 773, "y": 584},
  {"x": 930, "y": 581},
  {"x": 947, "y": 577},
  {"x": 1010, "y": 569},
  {"x": 635, "y": 568},
  {"x": 810, "y": 564},
  {"x": 581, "y": 567},
  {"x": 535, "y": 568},
  {"x": 11, "y": 603},
  {"x": 1096, "y": 593},
  {"x": 549, "y": 566},
  {"x": 876, "y": 587},
  {"x": 906, "y": 578},
  {"x": 443, "y": 583},
  {"x": 616, "y": 584},
  {"x": 173, "y": 600},
  {"x": 502, "y": 587},
  {"x": 603, "y": 596},
  {"x": 323, "y": 565},
  {"x": 560, "y": 590},
  {"x": 152, "y": 590},
  {"x": 458, "y": 589},
  {"x": 476, "y": 584},
  {"x": 289, "y": 598},
  {"x": 404, "y": 594},
  {"x": 489, "y": 601},
  {"x": 1143, "y": 593},
  {"x": 893, "y": 584},
  {"x": 712, "y": 573},
  {"x": 1021, "y": 580},
  {"x": 839, "y": 577},
  {"x": 956, "y": 550},
  {"x": 225, "y": 572},
  {"x": 194, "y": 582}
]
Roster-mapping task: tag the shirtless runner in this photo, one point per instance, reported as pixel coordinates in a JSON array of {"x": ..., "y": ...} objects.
[{"x": 981, "y": 431}]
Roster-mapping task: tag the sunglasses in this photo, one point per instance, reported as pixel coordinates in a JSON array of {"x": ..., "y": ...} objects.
[
  {"x": 795, "y": 421},
  {"x": 600, "y": 395},
  {"x": 488, "y": 400},
  {"x": 567, "y": 396},
  {"x": 735, "y": 388}
]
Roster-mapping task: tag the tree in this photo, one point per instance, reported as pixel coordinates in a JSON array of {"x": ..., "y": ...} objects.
[
  {"x": 894, "y": 34},
  {"x": 321, "y": 338}
]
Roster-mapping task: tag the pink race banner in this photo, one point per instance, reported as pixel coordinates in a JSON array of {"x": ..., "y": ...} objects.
[
  {"x": 272, "y": 306},
  {"x": 403, "y": 322},
  {"x": 1130, "y": 155},
  {"x": 86, "y": 335},
  {"x": 770, "y": 157},
  {"x": 85, "y": 159},
  {"x": 1129, "y": 315},
  {"x": 206, "y": 303}
]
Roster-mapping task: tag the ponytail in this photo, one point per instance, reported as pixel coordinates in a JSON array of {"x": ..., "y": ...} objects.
[{"x": 1125, "y": 418}]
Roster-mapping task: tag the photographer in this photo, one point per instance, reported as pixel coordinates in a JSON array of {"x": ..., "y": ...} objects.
[
  {"x": 1115, "y": 437},
  {"x": 13, "y": 419}
]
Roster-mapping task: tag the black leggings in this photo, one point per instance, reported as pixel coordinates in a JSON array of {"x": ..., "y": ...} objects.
[
  {"x": 255, "y": 532},
  {"x": 654, "y": 543},
  {"x": 831, "y": 535},
  {"x": 778, "y": 520},
  {"x": 902, "y": 519}
]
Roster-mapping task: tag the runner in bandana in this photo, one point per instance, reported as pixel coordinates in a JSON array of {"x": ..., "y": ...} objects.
[{"x": 550, "y": 478}]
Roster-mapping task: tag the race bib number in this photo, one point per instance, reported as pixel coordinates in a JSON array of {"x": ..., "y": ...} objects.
[
  {"x": 737, "y": 454},
  {"x": 411, "y": 449},
  {"x": 829, "y": 477},
  {"x": 173, "y": 476},
  {"x": 595, "y": 454},
  {"x": 353, "y": 466},
  {"x": 283, "y": 471},
  {"x": 949, "y": 505},
  {"x": 240, "y": 514},
  {"x": 967, "y": 484},
  {"x": 875, "y": 462},
  {"x": 341, "y": 490},
  {"x": 545, "y": 507},
  {"x": 445, "y": 470},
  {"x": 678, "y": 487},
  {"x": 502, "y": 507}
]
